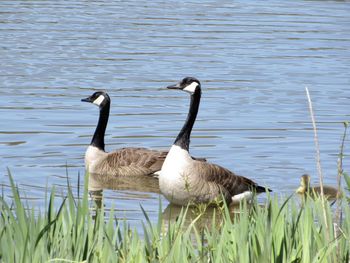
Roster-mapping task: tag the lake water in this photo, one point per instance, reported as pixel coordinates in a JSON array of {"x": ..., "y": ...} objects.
[{"x": 253, "y": 58}]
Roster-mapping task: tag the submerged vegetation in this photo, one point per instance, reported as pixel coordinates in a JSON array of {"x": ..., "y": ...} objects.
[{"x": 275, "y": 232}]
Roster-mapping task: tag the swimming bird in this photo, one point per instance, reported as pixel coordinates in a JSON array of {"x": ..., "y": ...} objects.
[
  {"x": 183, "y": 180},
  {"x": 122, "y": 162},
  {"x": 305, "y": 188}
]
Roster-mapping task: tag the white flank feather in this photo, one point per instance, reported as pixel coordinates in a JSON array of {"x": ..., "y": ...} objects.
[{"x": 247, "y": 195}]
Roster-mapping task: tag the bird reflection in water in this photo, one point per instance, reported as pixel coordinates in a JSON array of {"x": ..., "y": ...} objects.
[{"x": 98, "y": 183}]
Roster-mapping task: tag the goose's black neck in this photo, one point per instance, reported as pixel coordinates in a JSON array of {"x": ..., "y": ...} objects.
[
  {"x": 98, "y": 140},
  {"x": 183, "y": 139}
]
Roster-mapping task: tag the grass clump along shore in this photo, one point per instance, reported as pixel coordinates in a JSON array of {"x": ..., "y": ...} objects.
[{"x": 275, "y": 232}]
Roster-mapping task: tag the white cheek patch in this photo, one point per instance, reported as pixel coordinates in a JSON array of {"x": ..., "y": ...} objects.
[
  {"x": 99, "y": 100},
  {"x": 191, "y": 88}
]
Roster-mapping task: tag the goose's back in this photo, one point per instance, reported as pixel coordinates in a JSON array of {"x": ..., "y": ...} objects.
[
  {"x": 131, "y": 162},
  {"x": 228, "y": 182}
]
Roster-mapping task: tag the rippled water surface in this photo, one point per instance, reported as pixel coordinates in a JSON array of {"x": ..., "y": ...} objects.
[{"x": 253, "y": 58}]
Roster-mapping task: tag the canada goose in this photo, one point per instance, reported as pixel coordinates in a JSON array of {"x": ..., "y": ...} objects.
[
  {"x": 123, "y": 162},
  {"x": 304, "y": 188},
  {"x": 183, "y": 180}
]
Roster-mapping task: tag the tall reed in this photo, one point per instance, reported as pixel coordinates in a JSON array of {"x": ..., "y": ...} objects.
[{"x": 275, "y": 232}]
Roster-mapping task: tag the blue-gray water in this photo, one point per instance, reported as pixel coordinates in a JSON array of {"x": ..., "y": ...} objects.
[{"x": 254, "y": 59}]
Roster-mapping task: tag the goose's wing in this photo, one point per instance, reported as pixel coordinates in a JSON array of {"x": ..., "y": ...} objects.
[
  {"x": 135, "y": 161},
  {"x": 229, "y": 181}
]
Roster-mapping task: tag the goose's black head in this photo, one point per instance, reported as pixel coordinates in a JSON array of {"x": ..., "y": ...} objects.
[
  {"x": 99, "y": 98},
  {"x": 188, "y": 84}
]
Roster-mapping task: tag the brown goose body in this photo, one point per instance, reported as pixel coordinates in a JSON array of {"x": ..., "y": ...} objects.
[
  {"x": 122, "y": 162},
  {"x": 230, "y": 184},
  {"x": 305, "y": 189},
  {"x": 183, "y": 180}
]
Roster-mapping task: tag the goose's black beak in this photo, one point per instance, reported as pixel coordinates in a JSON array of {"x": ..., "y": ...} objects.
[
  {"x": 175, "y": 86},
  {"x": 88, "y": 99}
]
